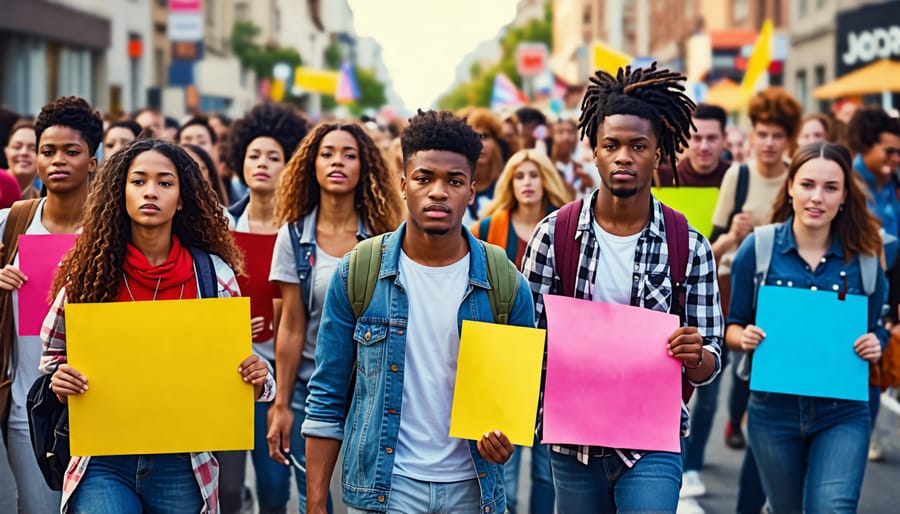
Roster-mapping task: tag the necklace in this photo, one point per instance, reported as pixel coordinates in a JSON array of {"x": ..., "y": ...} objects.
[{"x": 155, "y": 291}]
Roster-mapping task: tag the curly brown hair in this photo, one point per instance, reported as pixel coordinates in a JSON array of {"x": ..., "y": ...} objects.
[
  {"x": 91, "y": 271},
  {"x": 377, "y": 196},
  {"x": 775, "y": 105}
]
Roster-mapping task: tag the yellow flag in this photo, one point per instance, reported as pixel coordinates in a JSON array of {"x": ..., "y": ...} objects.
[
  {"x": 759, "y": 61},
  {"x": 609, "y": 59},
  {"x": 316, "y": 81}
]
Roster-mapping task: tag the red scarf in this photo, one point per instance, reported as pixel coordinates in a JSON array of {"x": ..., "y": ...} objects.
[{"x": 172, "y": 280}]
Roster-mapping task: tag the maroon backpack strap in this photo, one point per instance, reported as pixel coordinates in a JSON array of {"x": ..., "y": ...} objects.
[
  {"x": 565, "y": 248},
  {"x": 677, "y": 244}
]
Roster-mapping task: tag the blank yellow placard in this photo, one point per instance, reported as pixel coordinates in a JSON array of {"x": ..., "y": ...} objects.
[
  {"x": 696, "y": 203},
  {"x": 498, "y": 380},
  {"x": 162, "y": 376}
]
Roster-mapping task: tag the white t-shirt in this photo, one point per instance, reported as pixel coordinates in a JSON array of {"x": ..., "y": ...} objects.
[
  {"x": 243, "y": 222},
  {"x": 424, "y": 450},
  {"x": 284, "y": 269},
  {"x": 27, "y": 348},
  {"x": 613, "y": 281}
]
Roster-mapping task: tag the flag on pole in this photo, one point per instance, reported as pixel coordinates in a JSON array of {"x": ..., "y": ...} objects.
[
  {"x": 347, "y": 87},
  {"x": 759, "y": 61},
  {"x": 609, "y": 59},
  {"x": 506, "y": 94}
]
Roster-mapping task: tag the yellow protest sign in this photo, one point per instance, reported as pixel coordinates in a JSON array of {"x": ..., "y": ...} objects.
[
  {"x": 498, "y": 380},
  {"x": 162, "y": 376},
  {"x": 696, "y": 203},
  {"x": 316, "y": 81}
]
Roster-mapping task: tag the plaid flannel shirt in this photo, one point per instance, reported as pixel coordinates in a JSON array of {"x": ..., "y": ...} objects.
[
  {"x": 651, "y": 289},
  {"x": 204, "y": 464}
]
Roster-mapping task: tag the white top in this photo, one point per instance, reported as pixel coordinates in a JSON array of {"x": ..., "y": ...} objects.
[
  {"x": 27, "y": 348},
  {"x": 612, "y": 283},
  {"x": 243, "y": 222},
  {"x": 424, "y": 450},
  {"x": 284, "y": 269}
]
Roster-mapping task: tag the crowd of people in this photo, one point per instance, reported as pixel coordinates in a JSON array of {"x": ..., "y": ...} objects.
[{"x": 380, "y": 234}]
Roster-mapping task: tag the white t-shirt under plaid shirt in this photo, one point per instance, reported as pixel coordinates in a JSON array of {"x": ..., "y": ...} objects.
[{"x": 651, "y": 289}]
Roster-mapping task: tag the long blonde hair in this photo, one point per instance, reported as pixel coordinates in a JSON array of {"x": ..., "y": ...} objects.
[{"x": 555, "y": 193}]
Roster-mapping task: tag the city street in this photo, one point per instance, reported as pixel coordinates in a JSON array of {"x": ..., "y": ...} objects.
[{"x": 720, "y": 473}]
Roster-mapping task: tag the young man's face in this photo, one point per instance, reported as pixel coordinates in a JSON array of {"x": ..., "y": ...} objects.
[
  {"x": 769, "y": 141},
  {"x": 884, "y": 156},
  {"x": 438, "y": 186},
  {"x": 565, "y": 138},
  {"x": 626, "y": 154},
  {"x": 707, "y": 142}
]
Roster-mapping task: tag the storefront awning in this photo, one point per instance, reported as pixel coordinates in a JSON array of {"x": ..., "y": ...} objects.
[{"x": 875, "y": 78}]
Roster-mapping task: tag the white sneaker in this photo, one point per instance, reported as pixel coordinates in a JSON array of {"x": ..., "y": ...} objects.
[
  {"x": 691, "y": 485},
  {"x": 689, "y": 506},
  {"x": 875, "y": 453}
]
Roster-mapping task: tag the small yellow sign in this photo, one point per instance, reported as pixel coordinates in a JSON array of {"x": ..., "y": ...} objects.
[
  {"x": 498, "y": 380},
  {"x": 696, "y": 203},
  {"x": 324, "y": 82},
  {"x": 162, "y": 376}
]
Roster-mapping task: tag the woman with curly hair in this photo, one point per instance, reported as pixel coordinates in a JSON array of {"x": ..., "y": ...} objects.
[
  {"x": 335, "y": 192},
  {"x": 149, "y": 214},
  {"x": 527, "y": 190},
  {"x": 495, "y": 150},
  {"x": 68, "y": 133}
]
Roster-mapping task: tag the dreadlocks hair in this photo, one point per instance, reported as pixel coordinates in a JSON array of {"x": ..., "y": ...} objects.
[
  {"x": 75, "y": 113},
  {"x": 441, "y": 130},
  {"x": 279, "y": 122},
  {"x": 91, "y": 271},
  {"x": 376, "y": 197},
  {"x": 656, "y": 95}
]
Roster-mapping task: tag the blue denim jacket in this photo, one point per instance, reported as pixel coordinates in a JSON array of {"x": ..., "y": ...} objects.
[
  {"x": 377, "y": 340},
  {"x": 788, "y": 269}
]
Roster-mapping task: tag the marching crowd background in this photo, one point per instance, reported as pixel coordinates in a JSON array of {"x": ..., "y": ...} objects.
[{"x": 143, "y": 190}]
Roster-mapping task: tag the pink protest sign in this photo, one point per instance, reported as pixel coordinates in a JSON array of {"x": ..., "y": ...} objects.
[
  {"x": 39, "y": 257},
  {"x": 610, "y": 381}
]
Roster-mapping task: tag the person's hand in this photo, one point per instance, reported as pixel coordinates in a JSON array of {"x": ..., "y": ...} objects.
[
  {"x": 495, "y": 447},
  {"x": 11, "y": 278},
  {"x": 281, "y": 421},
  {"x": 741, "y": 226},
  {"x": 257, "y": 325},
  {"x": 686, "y": 345},
  {"x": 868, "y": 347},
  {"x": 254, "y": 370},
  {"x": 67, "y": 381},
  {"x": 751, "y": 337}
]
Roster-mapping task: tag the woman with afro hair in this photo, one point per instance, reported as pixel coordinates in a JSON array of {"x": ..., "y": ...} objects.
[
  {"x": 336, "y": 191},
  {"x": 149, "y": 214},
  {"x": 68, "y": 133}
]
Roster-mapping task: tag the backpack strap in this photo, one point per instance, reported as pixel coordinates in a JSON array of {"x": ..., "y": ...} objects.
[
  {"x": 868, "y": 269},
  {"x": 740, "y": 193},
  {"x": 677, "y": 244},
  {"x": 565, "y": 248},
  {"x": 304, "y": 260},
  {"x": 504, "y": 280},
  {"x": 205, "y": 272},
  {"x": 20, "y": 215},
  {"x": 482, "y": 228},
  {"x": 763, "y": 244},
  {"x": 365, "y": 265}
]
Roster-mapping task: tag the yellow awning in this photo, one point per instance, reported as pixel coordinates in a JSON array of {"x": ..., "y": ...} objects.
[
  {"x": 726, "y": 93},
  {"x": 875, "y": 78}
]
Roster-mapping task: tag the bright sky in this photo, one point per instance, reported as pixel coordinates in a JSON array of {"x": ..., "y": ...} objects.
[{"x": 424, "y": 40}]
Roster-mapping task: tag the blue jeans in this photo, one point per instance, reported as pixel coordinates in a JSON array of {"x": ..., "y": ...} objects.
[
  {"x": 34, "y": 495},
  {"x": 138, "y": 483},
  {"x": 693, "y": 447},
  {"x": 874, "y": 403},
  {"x": 739, "y": 394},
  {"x": 607, "y": 485},
  {"x": 542, "y": 498},
  {"x": 408, "y": 496},
  {"x": 811, "y": 451},
  {"x": 751, "y": 498},
  {"x": 273, "y": 480}
]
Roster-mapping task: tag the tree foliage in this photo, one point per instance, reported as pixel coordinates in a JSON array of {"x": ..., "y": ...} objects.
[
  {"x": 260, "y": 59},
  {"x": 477, "y": 91}
]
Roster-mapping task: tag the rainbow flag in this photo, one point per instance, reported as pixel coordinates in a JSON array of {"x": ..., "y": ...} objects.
[
  {"x": 347, "y": 89},
  {"x": 506, "y": 94}
]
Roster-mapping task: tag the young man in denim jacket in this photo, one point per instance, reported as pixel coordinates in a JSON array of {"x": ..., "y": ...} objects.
[{"x": 398, "y": 456}]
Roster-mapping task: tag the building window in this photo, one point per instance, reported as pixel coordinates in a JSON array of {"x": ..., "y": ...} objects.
[
  {"x": 241, "y": 12},
  {"x": 802, "y": 8},
  {"x": 819, "y": 78},
  {"x": 740, "y": 10},
  {"x": 802, "y": 89}
]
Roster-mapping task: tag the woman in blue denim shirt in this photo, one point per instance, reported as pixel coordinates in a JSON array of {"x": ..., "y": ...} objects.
[{"x": 811, "y": 451}]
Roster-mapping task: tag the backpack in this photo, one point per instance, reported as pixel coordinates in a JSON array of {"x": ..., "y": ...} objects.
[
  {"x": 48, "y": 418},
  {"x": 740, "y": 198},
  {"x": 20, "y": 215},
  {"x": 567, "y": 251}
]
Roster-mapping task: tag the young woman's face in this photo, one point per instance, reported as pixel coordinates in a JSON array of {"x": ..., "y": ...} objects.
[
  {"x": 263, "y": 164},
  {"x": 116, "y": 139},
  {"x": 527, "y": 185},
  {"x": 811, "y": 132},
  {"x": 64, "y": 159},
  {"x": 817, "y": 192},
  {"x": 200, "y": 164},
  {"x": 338, "y": 166},
  {"x": 21, "y": 154},
  {"x": 152, "y": 190},
  {"x": 197, "y": 135},
  {"x": 488, "y": 145}
]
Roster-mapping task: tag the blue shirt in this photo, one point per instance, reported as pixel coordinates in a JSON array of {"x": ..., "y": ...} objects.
[
  {"x": 788, "y": 269},
  {"x": 372, "y": 348},
  {"x": 883, "y": 202}
]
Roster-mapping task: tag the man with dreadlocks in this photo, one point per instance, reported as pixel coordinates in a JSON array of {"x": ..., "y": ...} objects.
[{"x": 618, "y": 236}]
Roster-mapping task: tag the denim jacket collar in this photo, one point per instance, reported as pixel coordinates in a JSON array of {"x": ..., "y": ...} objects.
[
  {"x": 308, "y": 225},
  {"x": 390, "y": 265},
  {"x": 785, "y": 242}
]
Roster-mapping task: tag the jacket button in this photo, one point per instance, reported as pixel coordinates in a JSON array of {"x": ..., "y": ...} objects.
[
  {"x": 389, "y": 450},
  {"x": 395, "y": 368},
  {"x": 368, "y": 335},
  {"x": 381, "y": 499},
  {"x": 392, "y": 411},
  {"x": 400, "y": 332},
  {"x": 482, "y": 475},
  {"x": 487, "y": 509}
]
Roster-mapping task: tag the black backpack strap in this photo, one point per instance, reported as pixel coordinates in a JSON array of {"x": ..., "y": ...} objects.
[
  {"x": 740, "y": 194},
  {"x": 205, "y": 272}
]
